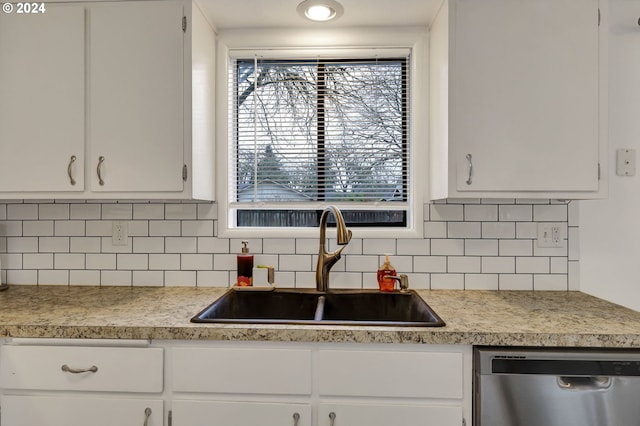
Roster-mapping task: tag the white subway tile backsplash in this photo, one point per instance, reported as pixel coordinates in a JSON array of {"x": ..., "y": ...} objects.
[
  {"x": 499, "y": 265},
  {"x": 85, "y": 244},
  {"x": 196, "y": 262},
  {"x": 68, "y": 261},
  {"x": 53, "y": 277},
  {"x": 466, "y": 244},
  {"x": 85, "y": 211},
  {"x": 148, "y": 278},
  {"x": 53, "y": 211},
  {"x": 69, "y": 228},
  {"x": 116, "y": 278},
  {"x": 447, "y": 247},
  {"x": 550, "y": 213},
  {"x": 117, "y": 211},
  {"x": 132, "y": 261},
  {"x": 181, "y": 211},
  {"x": 481, "y": 213},
  {"x": 532, "y": 265},
  {"x": 100, "y": 261},
  {"x": 447, "y": 281},
  {"x": 84, "y": 277},
  {"x": 464, "y": 230},
  {"x": 481, "y": 282},
  {"x": 148, "y": 211},
  {"x": 515, "y": 282},
  {"x": 550, "y": 282},
  {"x": 37, "y": 228},
  {"x": 164, "y": 228},
  {"x": 481, "y": 247},
  {"x": 467, "y": 264},
  {"x": 430, "y": 264},
  {"x": 515, "y": 213},
  {"x": 22, "y": 211}
]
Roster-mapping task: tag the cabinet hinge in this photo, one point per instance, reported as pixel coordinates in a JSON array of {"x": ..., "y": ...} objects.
[
  {"x": 184, "y": 24},
  {"x": 184, "y": 172},
  {"x": 169, "y": 418}
]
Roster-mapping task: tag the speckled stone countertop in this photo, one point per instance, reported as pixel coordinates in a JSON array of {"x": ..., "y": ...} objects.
[{"x": 473, "y": 317}]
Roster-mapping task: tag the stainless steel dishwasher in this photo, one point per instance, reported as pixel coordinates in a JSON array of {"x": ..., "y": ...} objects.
[{"x": 556, "y": 387}]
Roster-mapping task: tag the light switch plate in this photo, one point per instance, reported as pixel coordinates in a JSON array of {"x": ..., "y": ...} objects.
[{"x": 626, "y": 162}]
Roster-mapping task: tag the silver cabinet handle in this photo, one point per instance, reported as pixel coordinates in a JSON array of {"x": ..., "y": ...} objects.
[
  {"x": 296, "y": 419},
  {"x": 67, "y": 369},
  {"x": 99, "y": 170},
  {"x": 469, "y": 181},
  {"x": 147, "y": 414},
  {"x": 71, "y": 161},
  {"x": 332, "y": 418}
]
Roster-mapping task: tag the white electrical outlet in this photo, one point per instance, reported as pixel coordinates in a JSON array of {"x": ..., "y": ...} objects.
[
  {"x": 551, "y": 234},
  {"x": 119, "y": 234}
]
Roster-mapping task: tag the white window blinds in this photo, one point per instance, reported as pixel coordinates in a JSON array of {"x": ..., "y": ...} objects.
[{"x": 330, "y": 130}]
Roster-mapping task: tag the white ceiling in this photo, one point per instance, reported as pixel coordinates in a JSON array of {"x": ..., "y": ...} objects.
[{"x": 226, "y": 14}]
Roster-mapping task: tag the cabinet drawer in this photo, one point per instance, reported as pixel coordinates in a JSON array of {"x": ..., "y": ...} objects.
[
  {"x": 391, "y": 374},
  {"x": 239, "y": 413},
  {"x": 242, "y": 370},
  {"x": 67, "y": 411},
  {"x": 116, "y": 369},
  {"x": 390, "y": 414}
]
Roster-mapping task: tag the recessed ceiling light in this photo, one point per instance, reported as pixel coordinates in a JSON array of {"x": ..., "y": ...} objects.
[{"x": 320, "y": 10}]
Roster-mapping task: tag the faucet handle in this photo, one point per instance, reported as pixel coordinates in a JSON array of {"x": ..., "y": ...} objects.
[{"x": 403, "y": 279}]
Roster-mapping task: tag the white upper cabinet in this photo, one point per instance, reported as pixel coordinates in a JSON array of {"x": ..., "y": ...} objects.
[
  {"x": 114, "y": 96},
  {"x": 136, "y": 96},
  {"x": 42, "y": 89},
  {"x": 518, "y": 99}
]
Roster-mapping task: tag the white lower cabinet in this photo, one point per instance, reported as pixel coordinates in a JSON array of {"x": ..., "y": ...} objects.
[
  {"x": 319, "y": 384},
  {"x": 81, "y": 382}
]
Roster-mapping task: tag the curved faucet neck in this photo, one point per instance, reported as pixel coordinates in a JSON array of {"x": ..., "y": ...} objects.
[{"x": 325, "y": 259}]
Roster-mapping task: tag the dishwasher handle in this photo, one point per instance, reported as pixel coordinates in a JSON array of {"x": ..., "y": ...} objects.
[{"x": 582, "y": 383}]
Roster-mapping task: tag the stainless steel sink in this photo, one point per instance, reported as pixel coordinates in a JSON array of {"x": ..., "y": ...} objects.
[{"x": 336, "y": 307}]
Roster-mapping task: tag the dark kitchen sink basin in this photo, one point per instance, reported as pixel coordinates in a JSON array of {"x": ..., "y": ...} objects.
[{"x": 336, "y": 307}]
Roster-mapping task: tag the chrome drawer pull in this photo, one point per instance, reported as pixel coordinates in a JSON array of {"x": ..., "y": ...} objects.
[
  {"x": 147, "y": 414},
  {"x": 67, "y": 369},
  {"x": 296, "y": 418},
  {"x": 332, "y": 417},
  {"x": 71, "y": 161},
  {"x": 469, "y": 179},
  {"x": 99, "y": 170}
]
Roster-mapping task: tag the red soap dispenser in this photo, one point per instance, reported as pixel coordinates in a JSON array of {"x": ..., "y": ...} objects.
[
  {"x": 386, "y": 270},
  {"x": 245, "y": 267}
]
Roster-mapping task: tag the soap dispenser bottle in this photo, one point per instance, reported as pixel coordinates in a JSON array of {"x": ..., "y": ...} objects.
[
  {"x": 245, "y": 266},
  {"x": 386, "y": 270}
]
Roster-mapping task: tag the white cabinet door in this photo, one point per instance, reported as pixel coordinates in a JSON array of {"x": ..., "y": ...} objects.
[
  {"x": 80, "y": 411},
  {"x": 42, "y": 100},
  {"x": 228, "y": 413},
  {"x": 136, "y": 96},
  {"x": 526, "y": 95},
  {"x": 352, "y": 414}
]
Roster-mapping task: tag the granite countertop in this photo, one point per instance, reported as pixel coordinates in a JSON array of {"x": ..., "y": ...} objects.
[{"x": 510, "y": 318}]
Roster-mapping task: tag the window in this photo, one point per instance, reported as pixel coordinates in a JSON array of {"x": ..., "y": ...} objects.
[{"x": 308, "y": 133}]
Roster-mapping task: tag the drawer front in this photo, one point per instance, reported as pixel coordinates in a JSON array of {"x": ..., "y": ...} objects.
[
  {"x": 87, "y": 368},
  {"x": 238, "y": 413},
  {"x": 67, "y": 411},
  {"x": 391, "y": 374},
  {"x": 242, "y": 370},
  {"x": 389, "y": 414}
]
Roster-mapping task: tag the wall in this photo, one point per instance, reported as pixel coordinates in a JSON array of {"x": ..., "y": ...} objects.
[
  {"x": 610, "y": 229},
  {"x": 472, "y": 244}
]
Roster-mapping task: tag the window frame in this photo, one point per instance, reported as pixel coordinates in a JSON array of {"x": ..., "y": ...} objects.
[{"x": 236, "y": 44}]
